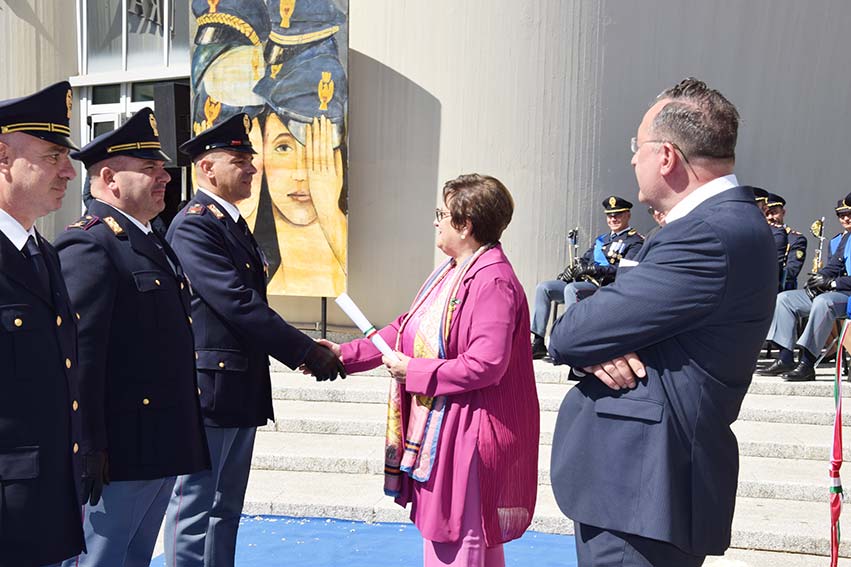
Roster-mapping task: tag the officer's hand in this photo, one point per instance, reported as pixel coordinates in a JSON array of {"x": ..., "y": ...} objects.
[
  {"x": 585, "y": 270},
  {"x": 95, "y": 476},
  {"x": 566, "y": 275},
  {"x": 622, "y": 372},
  {"x": 322, "y": 363},
  {"x": 819, "y": 282}
]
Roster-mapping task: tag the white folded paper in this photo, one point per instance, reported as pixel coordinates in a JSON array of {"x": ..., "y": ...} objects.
[{"x": 358, "y": 318}]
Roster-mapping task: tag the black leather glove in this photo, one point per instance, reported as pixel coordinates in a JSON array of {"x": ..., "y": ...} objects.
[
  {"x": 819, "y": 283},
  {"x": 584, "y": 270},
  {"x": 323, "y": 364},
  {"x": 95, "y": 476},
  {"x": 566, "y": 275}
]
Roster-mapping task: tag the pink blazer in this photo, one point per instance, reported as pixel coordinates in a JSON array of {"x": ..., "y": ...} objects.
[{"x": 492, "y": 411}]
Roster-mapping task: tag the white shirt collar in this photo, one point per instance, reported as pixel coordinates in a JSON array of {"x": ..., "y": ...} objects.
[
  {"x": 14, "y": 231},
  {"x": 616, "y": 234},
  {"x": 231, "y": 209},
  {"x": 145, "y": 228},
  {"x": 699, "y": 195}
]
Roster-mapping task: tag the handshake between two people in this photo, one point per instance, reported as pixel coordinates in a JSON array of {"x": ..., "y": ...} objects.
[{"x": 324, "y": 361}]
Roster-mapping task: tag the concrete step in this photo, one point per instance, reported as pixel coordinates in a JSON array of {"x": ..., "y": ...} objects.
[
  {"x": 787, "y": 440},
  {"x": 759, "y": 477},
  {"x": 351, "y": 419},
  {"x": 760, "y": 524},
  {"x": 756, "y": 438},
  {"x": 372, "y": 389}
]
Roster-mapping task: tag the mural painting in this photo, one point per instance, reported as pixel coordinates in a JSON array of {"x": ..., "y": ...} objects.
[{"x": 284, "y": 63}]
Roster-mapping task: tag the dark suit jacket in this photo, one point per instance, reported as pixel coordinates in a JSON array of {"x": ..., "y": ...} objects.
[
  {"x": 137, "y": 363},
  {"x": 661, "y": 461},
  {"x": 235, "y": 329},
  {"x": 39, "y": 471}
]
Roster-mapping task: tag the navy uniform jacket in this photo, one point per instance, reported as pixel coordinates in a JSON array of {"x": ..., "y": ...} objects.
[
  {"x": 235, "y": 329},
  {"x": 661, "y": 461},
  {"x": 137, "y": 363},
  {"x": 625, "y": 244},
  {"x": 791, "y": 248},
  {"x": 39, "y": 417}
]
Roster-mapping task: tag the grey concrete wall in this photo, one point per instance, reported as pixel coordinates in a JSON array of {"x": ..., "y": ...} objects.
[
  {"x": 38, "y": 49},
  {"x": 545, "y": 95}
]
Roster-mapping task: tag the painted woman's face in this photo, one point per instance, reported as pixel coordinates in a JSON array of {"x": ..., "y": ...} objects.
[{"x": 286, "y": 174}]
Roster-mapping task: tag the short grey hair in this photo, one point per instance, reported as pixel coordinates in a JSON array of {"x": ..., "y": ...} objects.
[{"x": 700, "y": 120}]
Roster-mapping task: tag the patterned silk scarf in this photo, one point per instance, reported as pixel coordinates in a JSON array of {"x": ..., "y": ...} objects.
[{"x": 415, "y": 454}]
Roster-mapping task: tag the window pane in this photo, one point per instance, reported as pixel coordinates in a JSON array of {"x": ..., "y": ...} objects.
[
  {"x": 102, "y": 128},
  {"x": 179, "y": 33},
  {"x": 142, "y": 92},
  {"x": 145, "y": 33},
  {"x": 104, "y": 35},
  {"x": 106, "y": 94}
]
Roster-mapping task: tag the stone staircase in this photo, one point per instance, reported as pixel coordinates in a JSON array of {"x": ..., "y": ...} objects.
[{"x": 324, "y": 458}]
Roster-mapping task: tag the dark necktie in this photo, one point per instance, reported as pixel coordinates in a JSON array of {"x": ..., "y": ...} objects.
[
  {"x": 33, "y": 252},
  {"x": 156, "y": 240},
  {"x": 243, "y": 226}
]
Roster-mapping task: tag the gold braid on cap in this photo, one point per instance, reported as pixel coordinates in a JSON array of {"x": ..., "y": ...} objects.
[{"x": 230, "y": 21}]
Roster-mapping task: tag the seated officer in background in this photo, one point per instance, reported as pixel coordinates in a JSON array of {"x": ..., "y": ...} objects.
[
  {"x": 235, "y": 332},
  {"x": 824, "y": 300},
  {"x": 141, "y": 416},
  {"x": 791, "y": 244},
  {"x": 843, "y": 214},
  {"x": 597, "y": 267},
  {"x": 760, "y": 195},
  {"x": 39, "y": 421}
]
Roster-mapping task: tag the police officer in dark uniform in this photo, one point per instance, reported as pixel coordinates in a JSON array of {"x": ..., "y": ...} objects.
[
  {"x": 824, "y": 299},
  {"x": 596, "y": 268},
  {"x": 760, "y": 195},
  {"x": 137, "y": 362},
  {"x": 39, "y": 404},
  {"x": 235, "y": 332},
  {"x": 791, "y": 244}
]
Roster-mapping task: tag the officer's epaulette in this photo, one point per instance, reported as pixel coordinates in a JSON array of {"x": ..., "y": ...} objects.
[
  {"x": 788, "y": 229},
  {"x": 196, "y": 209},
  {"x": 633, "y": 232},
  {"x": 85, "y": 223},
  {"x": 793, "y": 231},
  {"x": 216, "y": 212},
  {"x": 113, "y": 226}
]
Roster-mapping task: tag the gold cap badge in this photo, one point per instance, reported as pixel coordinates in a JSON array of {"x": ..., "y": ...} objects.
[
  {"x": 69, "y": 102},
  {"x": 214, "y": 4},
  {"x": 612, "y": 201},
  {"x": 325, "y": 89},
  {"x": 153, "y": 122},
  {"x": 246, "y": 121}
]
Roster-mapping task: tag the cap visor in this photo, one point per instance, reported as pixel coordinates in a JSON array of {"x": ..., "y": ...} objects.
[{"x": 56, "y": 139}]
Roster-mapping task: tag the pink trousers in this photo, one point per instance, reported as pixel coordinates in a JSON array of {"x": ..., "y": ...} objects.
[{"x": 469, "y": 550}]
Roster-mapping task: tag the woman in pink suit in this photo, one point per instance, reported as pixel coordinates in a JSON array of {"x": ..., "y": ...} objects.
[{"x": 463, "y": 416}]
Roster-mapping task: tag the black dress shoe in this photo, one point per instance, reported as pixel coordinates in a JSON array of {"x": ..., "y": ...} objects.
[
  {"x": 777, "y": 368},
  {"x": 802, "y": 373},
  {"x": 539, "y": 349}
]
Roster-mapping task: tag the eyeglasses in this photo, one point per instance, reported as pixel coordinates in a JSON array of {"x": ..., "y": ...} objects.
[
  {"x": 634, "y": 146},
  {"x": 440, "y": 214}
]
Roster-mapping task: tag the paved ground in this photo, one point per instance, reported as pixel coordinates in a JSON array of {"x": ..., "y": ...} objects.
[{"x": 273, "y": 541}]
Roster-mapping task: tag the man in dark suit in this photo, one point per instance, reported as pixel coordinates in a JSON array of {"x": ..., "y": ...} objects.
[
  {"x": 644, "y": 460},
  {"x": 235, "y": 332},
  {"x": 137, "y": 363},
  {"x": 597, "y": 267},
  {"x": 39, "y": 408}
]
